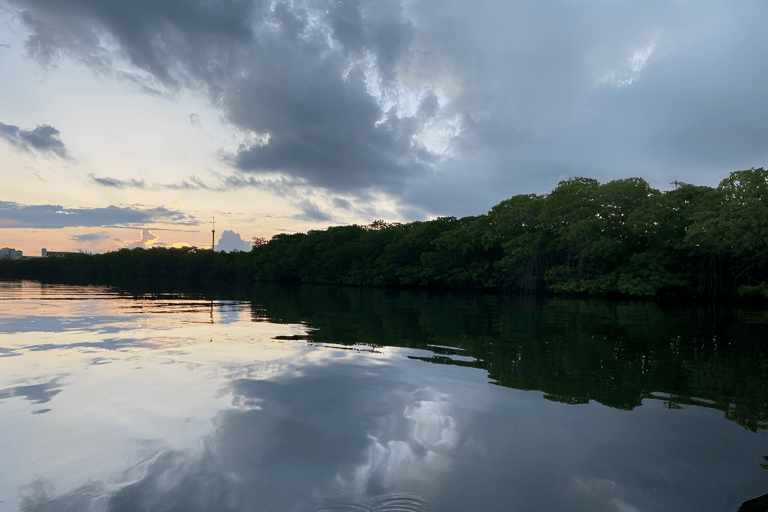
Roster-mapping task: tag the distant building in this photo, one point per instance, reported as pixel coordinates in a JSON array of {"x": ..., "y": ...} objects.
[
  {"x": 10, "y": 253},
  {"x": 55, "y": 254}
]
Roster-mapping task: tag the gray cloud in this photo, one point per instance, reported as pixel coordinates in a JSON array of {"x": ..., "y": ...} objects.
[
  {"x": 330, "y": 136},
  {"x": 341, "y": 203},
  {"x": 510, "y": 97},
  {"x": 115, "y": 183},
  {"x": 91, "y": 238},
  {"x": 153, "y": 35},
  {"x": 231, "y": 241},
  {"x": 311, "y": 212},
  {"x": 223, "y": 183},
  {"x": 44, "y": 139},
  {"x": 358, "y": 204},
  {"x": 271, "y": 70},
  {"x": 15, "y": 215}
]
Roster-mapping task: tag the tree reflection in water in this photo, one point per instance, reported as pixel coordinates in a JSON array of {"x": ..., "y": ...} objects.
[{"x": 352, "y": 399}]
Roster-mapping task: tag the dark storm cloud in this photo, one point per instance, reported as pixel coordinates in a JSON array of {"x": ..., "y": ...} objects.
[
  {"x": 323, "y": 123},
  {"x": 47, "y": 216},
  {"x": 153, "y": 35},
  {"x": 534, "y": 93},
  {"x": 44, "y": 139},
  {"x": 293, "y": 72}
]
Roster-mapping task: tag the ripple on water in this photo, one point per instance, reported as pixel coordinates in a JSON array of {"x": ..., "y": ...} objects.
[{"x": 393, "y": 502}]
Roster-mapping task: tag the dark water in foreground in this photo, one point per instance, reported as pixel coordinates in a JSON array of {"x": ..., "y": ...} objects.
[{"x": 324, "y": 398}]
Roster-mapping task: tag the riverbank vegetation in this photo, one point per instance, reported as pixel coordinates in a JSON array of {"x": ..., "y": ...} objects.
[{"x": 620, "y": 238}]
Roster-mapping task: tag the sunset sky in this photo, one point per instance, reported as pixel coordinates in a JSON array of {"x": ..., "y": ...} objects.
[{"x": 126, "y": 123}]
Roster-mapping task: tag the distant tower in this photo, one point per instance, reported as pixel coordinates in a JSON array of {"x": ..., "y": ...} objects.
[{"x": 213, "y": 234}]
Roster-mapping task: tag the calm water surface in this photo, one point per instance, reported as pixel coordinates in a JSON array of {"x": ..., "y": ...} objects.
[{"x": 324, "y": 398}]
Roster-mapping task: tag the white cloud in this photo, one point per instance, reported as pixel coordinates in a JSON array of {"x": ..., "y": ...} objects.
[
  {"x": 231, "y": 241},
  {"x": 635, "y": 59},
  {"x": 148, "y": 239}
]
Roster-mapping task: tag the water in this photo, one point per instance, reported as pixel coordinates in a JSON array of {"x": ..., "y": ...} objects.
[{"x": 340, "y": 399}]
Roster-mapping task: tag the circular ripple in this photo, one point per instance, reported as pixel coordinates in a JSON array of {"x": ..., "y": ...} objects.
[
  {"x": 393, "y": 502},
  {"x": 335, "y": 505},
  {"x": 396, "y": 503}
]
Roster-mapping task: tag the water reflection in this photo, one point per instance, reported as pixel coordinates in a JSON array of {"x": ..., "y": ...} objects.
[
  {"x": 616, "y": 353},
  {"x": 36, "y": 393},
  {"x": 330, "y": 399},
  {"x": 310, "y": 436}
]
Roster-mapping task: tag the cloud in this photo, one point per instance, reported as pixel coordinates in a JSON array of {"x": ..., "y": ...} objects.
[
  {"x": 355, "y": 205},
  {"x": 115, "y": 183},
  {"x": 149, "y": 33},
  {"x": 225, "y": 183},
  {"x": 231, "y": 241},
  {"x": 447, "y": 106},
  {"x": 307, "y": 78},
  {"x": 341, "y": 203},
  {"x": 311, "y": 212},
  {"x": 43, "y": 140},
  {"x": 148, "y": 239},
  {"x": 91, "y": 238},
  {"x": 16, "y": 215}
]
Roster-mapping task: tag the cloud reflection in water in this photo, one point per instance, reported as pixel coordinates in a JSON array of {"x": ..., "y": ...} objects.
[
  {"x": 338, "y": 429},
  {"x": 309, "y": 437},
  {"x": 36, "y": 393},
  {"x": 249, "y": 416}
]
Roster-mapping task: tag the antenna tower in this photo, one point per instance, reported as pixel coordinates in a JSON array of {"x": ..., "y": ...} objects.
[{"x": 213, "y": 233}]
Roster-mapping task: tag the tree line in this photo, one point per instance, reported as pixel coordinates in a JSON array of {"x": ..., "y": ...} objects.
[{"x": 618, "y": 238}]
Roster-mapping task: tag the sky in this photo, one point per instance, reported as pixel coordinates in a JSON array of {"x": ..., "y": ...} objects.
[{"x": 141, "y": 123}]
